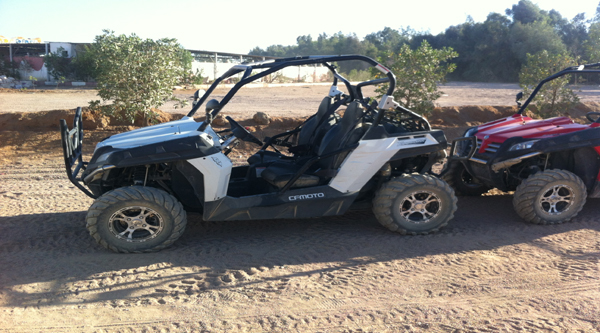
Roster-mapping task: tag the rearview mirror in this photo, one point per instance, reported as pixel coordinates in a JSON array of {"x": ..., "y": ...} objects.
[{"x": 212, "y": 105}]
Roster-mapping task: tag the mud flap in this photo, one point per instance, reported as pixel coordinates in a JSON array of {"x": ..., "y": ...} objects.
[{"x": 595, "y": 192}]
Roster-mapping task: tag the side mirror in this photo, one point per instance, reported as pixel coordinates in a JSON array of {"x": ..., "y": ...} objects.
[
  {"x": 199, "y": 93},
  {"x": 213, "y": 104},
  {"x": 519, "y": 97}
]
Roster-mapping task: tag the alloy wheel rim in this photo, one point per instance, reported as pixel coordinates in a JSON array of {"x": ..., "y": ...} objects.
[
  {"x": 135, "y": 224},
  {"x": 420, "y": 207},
  {"x": 557, "y": 199}
]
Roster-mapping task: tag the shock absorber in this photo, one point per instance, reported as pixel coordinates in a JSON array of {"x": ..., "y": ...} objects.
[{"x": 140, "y": 175}]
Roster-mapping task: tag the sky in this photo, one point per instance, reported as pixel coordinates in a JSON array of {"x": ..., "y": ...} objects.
[{"x": 238, "y": 26}]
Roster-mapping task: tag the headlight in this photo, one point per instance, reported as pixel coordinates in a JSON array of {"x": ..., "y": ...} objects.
[
  {"x": 103, "y": 157},
  {"x": 523, "y": 145}
]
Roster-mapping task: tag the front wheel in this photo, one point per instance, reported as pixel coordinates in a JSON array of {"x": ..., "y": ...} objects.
[
  {"x": 136, "y": 219},
  {"x": 414, "y": 204},
  {"x": 550, "y": 197}
]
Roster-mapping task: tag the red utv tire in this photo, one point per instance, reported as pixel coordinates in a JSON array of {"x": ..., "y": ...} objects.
[{"x": 550, "y": 197}]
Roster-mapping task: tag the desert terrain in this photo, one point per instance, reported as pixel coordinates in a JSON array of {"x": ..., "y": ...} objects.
[{"x": 487, "y": 271}]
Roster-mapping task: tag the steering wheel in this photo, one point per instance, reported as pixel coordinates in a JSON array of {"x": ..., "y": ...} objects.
[
  {"x": 589, "y": 114},
  {"x": 242, "y": 133}
]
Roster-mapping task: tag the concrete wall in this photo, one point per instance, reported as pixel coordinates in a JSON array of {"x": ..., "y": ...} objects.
[{"x": 54, "y": 46}]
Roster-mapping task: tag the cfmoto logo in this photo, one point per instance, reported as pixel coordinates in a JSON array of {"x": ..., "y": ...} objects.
[
  {"x": 306, "y": 196},
  {"x": 412, "y": 142},
  {"x": 217, "y": 161}
]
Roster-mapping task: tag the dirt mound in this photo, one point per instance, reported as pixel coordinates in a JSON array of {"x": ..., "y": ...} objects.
[
  {"x": 95, "y": 120},
  {"x": 580, "y": 110},
  {"x": 448, "y": 116},
  {"x": 469, "y": 115},
  {"x": 473, "y": 115},
  {"x": 49, "y": 120}
]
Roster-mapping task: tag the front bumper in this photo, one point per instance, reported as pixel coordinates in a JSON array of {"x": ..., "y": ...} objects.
[
  {"x": 487, "y": 165},
  {"x": 72, "y": 140}
]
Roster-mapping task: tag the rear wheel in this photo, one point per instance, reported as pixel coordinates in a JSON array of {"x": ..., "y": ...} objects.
[
  {"x": 136, "y": 219},
  {"x": 550, "y": 197},
  {"x": 414, "y": 204},
  {"x": 463, "y": 183}
]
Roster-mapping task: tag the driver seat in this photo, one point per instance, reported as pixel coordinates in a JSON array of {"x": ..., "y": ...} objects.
[
  {"x": 311, "y": 132},
  {"x": 348, "y": 131}
]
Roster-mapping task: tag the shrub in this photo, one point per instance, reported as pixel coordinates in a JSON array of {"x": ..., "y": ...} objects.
[{"x": 554, "y": 95}]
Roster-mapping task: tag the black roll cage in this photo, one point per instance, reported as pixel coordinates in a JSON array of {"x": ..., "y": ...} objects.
[
  {"x": 277, "y": 64},
  {"x": 582, "y": 69}
]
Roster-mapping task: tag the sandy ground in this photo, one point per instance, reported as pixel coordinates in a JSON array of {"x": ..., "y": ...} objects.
[
  {"x": 488, "y": 271},
  {"x": 281, "y": 101}
]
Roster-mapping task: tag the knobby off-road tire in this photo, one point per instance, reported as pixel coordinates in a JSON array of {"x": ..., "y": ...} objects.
[
  {"x": 550, "y": 197},
  {"x": 414, "y": 204},
  {"x": 136, "y": 219},
  {"x": 461, "y": 180}
]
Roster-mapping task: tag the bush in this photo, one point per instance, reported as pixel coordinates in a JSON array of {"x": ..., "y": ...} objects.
[
  {"x": 418, "y": 74},
  {"x": 554, "y": 95},
  {"x": 136, "y": 74},
  {"x": 358, "y": 75}
]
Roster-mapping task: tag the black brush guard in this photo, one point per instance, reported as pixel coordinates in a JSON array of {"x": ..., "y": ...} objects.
[{"x": 71, "y": 143}]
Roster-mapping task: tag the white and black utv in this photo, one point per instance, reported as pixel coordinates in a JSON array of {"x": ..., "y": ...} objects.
[{"x": 145, "y": 180}]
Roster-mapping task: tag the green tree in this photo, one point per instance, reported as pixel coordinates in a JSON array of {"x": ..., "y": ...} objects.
[
  {"x": 58, "y": 64},
  {"x": 186, "y": 75},
  {"x": 136, "y": 74},
  {"x": 84, "y": 67},
  {"x": 419, "y": 71},
  {"x": 81, "y": 67},
  {"x": 573, "y": 33},
  {"x": 592, "y": 45},
  {"x": 388, "y": 40},
  {"x": 533, "y": 38},
  {"x": 526, "y": 12},
  {"x": 554, "y": 95}
]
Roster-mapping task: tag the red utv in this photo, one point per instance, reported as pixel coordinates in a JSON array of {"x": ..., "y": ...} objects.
[{"x": 551, "y": 164}]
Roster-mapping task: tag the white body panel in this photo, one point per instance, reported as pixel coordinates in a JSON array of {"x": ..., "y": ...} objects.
[
  {"x": 216, "y": 169},
  {"x": 172, "y": 130},
  {"x": 368, "y": 158}
]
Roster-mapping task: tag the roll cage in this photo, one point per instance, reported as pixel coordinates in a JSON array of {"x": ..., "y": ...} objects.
[
  {"x": 271, "y": 66},
  {"x": 582, "y": 69}
]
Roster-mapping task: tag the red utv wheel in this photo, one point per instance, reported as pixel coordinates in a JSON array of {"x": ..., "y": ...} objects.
[{"x": 550, "y": 197}]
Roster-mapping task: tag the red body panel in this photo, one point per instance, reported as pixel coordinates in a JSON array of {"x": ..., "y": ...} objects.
[{"x": 519, "y": 126}]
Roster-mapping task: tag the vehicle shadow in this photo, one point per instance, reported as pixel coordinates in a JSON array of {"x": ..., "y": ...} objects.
[{"x": 49, "y": 259}]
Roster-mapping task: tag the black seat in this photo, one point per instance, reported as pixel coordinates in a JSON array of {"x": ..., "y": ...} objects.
[
  {"x": 311, "y": 131},
  {"x": 348, "y": 131}
]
